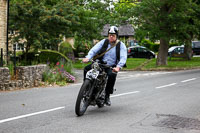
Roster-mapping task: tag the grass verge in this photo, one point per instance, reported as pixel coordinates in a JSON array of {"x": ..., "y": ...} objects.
[{"x": 150, "y": 65}]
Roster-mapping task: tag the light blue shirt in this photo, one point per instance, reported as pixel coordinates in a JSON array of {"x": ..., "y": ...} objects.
[{"x": 110, "y": 56}]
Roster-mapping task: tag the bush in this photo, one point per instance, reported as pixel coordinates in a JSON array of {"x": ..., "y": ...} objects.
[
  {"x": 66, "y": 49},
  {"x": 150, "y": 45},
  {"x": 58, "y": 74},
  {"x": 146, "y": 43},
  {"x": 52, "y": 56}
]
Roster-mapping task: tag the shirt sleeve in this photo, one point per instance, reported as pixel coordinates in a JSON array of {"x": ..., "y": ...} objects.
[
  {"x": 95, "y": 49},
  {"x": 123, "y": 55}
]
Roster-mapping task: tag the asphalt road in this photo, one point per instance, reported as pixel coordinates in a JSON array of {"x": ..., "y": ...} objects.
[{"x": 145, "y": 102}]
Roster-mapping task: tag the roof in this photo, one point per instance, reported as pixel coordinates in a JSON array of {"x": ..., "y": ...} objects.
[{"x": 124, "y": 30}]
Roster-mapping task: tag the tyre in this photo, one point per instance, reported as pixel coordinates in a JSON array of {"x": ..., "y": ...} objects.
[
  {"x": 83, "y": 98},
  {"x": 151, "y": 57},
  {"x": 100, "y": 105},
  {"x": 101, "y": 100}
]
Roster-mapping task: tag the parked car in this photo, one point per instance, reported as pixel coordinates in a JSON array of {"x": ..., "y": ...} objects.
[
  {"x": 176, "y": 51},
  {"x": 140, "y": 52},
  {"x": 196, "y": 47}
]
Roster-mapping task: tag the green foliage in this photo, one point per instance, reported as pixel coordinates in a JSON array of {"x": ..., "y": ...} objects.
[
  {"x": 93, "y": 16},
  {"x": 58, "y": 74},
  {"x": 147, "y": 43},
  {"x": 79, "y": 64},
  {"x": 42, "y": 24},
  {"x": 155, "y": 47},
  {"x": 52, "y": 56},
  {"x": 19, "y": 53},
  {"x": 66, "y": 49},
  {"x": 122, "y": 12},
  {"x": 150, "y": 45},
  {"x": 11, "y": 68},
  {"x": 82, "y": 45},
  {"x": 174, "y": 44},
  {"x": 166, "y": 20}
]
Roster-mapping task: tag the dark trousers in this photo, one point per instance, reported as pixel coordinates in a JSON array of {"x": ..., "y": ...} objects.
[{"x": 111, "y": 79}]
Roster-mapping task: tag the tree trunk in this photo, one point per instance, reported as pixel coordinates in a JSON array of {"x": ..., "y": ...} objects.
[
  {"x": 188, "y": 50},
  {"x": 163, "y": 51}
]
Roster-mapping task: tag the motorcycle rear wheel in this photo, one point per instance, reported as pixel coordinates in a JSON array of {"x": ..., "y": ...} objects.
[{"x": 83, "y": 98}]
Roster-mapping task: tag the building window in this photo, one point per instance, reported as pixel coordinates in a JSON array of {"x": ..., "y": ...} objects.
[{"x": 18, "y": 47}]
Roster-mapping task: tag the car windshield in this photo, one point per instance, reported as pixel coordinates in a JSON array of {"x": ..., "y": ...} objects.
[{"x": 171, "y": 49}]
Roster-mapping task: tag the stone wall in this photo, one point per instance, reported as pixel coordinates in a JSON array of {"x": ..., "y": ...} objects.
[
  {"x": 26, "y": 77},
  {"x": 3, "y": 24},
  {"x": 4, "y": 78}
]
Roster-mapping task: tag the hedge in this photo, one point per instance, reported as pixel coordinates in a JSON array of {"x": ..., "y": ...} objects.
[{"x": 52, "y": 56}]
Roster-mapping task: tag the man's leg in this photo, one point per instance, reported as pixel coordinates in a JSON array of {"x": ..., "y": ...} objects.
[
  {"x": 110, "y": 85},
  {"x": 86, "y": 69}
]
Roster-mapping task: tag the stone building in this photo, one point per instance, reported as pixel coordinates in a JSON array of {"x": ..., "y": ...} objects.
[{"x": 3, "y": 24}]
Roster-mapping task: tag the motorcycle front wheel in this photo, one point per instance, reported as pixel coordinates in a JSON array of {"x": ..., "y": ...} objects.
[{"x": 83, "y": 98}]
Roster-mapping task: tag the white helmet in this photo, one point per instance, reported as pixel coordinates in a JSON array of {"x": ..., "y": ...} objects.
[{"x": 113, "y": 30}]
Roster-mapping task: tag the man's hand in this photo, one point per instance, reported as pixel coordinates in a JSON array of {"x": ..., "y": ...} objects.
[
  {"x": 116, "y": 69},
  {"x": 85, "y": 60}
]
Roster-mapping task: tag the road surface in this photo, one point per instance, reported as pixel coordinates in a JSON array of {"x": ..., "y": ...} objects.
[{"x": 145, "y": 102}]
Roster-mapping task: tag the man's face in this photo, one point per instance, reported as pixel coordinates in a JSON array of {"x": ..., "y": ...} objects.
[{"x": 112, "y": 38}]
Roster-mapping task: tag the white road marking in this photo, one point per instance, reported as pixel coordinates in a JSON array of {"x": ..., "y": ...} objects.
[
  {"x": 122, "y": 94},
  {"x": 141, "y": 74},
  {"x": 32, "y": 114},
  {"x": 188, "y": 80},
  {"x": 76, "y": 84},
  {"x": 166, "y": 86}
]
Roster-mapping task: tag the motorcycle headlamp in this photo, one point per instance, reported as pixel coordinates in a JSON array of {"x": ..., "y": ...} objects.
[{"x": 95, "y": 66}]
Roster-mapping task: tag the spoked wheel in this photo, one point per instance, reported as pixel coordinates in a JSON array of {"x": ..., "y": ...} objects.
[
  {"x": 100, "y": 102},
  {"x": 83, "y": 98},
  {"x": 100, "y": 105}
]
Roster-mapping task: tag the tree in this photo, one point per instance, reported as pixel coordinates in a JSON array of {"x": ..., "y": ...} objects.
[
  {"x": 163, "y": 20},
  {"x": 93, "y": 16},
  {"x": 122, "y": 12},
  {"x": 60, "y": 20},
  {"x": 42, "y": 23}
]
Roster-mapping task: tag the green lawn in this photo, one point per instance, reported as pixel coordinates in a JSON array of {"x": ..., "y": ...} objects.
[
  {"x": 175, "y": 63},
  {"x": 145, "y": 64},
  {"x": 79, "y": 65}
]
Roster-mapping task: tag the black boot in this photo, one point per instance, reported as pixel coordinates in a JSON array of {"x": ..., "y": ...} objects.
[{"x": 107, "y": 100}]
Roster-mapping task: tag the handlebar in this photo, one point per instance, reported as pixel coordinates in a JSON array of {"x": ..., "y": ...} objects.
[{"x": 102, "y": 64}]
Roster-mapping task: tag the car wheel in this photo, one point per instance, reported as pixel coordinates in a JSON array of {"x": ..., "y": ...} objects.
[{"x": 151, "y": 56}]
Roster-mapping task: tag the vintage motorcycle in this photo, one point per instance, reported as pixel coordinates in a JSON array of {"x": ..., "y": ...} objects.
[{"x": 92, "y": 91}]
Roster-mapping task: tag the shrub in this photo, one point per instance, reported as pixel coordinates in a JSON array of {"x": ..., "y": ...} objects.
[
  {"x": 146, "y": 43},
  {"x": 58, "y": 74},
  {"x": 66, "y": 49},
  {"x": 150, "y": 45},
  {"x": 52, "y": 56}
]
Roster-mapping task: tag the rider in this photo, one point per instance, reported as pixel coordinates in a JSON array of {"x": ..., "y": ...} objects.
[{"x": 111, "y": 57}]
